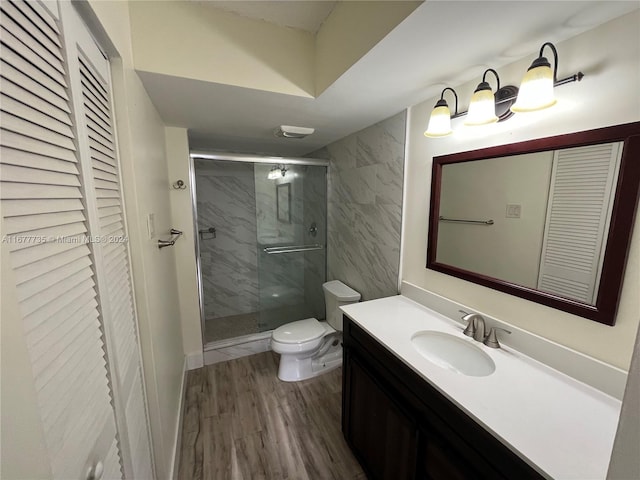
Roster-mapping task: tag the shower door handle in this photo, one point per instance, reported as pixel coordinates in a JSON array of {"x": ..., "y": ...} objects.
[{"x": 292, "y": 248}]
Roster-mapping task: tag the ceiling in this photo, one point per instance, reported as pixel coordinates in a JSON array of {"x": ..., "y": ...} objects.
[
  {"x": 303, "y": 15},
  {"x": 442, "y": 43}
]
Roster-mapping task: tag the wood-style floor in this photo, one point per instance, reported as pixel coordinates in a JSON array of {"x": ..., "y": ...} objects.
[{"x": 241, "y": 422}]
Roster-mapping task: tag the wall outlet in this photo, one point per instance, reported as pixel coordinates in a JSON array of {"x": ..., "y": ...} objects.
[
  {"x": 151, "y": 225},
  {"x": 513, "y": 210}
]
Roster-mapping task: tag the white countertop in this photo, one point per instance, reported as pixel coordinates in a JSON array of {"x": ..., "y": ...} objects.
[{"x": 560, "y": 426}]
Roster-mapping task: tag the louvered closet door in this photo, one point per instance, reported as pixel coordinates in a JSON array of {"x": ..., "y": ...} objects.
[
  {"x": 89, "y": 71},
  {"x": 46, "y": 226},
  {"x": 578, "y": 215}
]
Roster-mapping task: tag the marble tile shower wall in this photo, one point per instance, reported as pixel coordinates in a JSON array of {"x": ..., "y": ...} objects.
[
  {"x": 365, "y": 207},
  {"x": 281, "y": 276},
  {"x": 229, "y": 262},
  {"x": 272, "y": 231},
  {"x": 315, "y": 211}
]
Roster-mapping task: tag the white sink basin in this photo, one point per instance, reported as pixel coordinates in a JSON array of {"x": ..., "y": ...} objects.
[{"x": 453, "y": 353}]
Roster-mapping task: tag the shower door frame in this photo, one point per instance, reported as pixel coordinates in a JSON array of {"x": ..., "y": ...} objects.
[{"x": 241, "y": 158}]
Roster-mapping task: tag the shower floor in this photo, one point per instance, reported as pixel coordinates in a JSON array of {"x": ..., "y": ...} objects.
[
  {"x": 232, "y": 326},
  {"x": 223, "y": 328}
]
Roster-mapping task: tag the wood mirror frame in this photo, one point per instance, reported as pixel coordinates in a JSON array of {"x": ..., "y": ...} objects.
[{"x": 618, "y": 237}]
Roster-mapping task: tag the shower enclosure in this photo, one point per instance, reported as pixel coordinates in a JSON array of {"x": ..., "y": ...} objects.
[{"x": 261, "y": 242}]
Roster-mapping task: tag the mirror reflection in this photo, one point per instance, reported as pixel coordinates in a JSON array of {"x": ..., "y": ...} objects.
[{"x": 539, "y": 220}]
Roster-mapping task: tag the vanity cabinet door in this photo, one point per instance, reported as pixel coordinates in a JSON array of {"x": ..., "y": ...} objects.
[
  {"x": 437, "y": 462},
  {"x": 440, "y": 461},
  {"x": 449, "y": 449},
  {"x": 382, "y": 436}
]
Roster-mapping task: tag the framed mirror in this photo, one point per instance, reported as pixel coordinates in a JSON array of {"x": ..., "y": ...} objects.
[{"x": 548, "y": 220}]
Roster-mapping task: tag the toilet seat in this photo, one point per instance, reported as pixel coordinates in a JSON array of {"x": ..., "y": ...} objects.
[
  {"x": 301, "y": 331},
  {"x": 309, "y": 347},
  {"x": 300, "y": 337}
]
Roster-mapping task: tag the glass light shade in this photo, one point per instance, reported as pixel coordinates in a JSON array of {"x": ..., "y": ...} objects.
[
  {"x": 439, "y": 122},
  {"x": 482, "y": 108},
  {"x": 536, "y": 90}
]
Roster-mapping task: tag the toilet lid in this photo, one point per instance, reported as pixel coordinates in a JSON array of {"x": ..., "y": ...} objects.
[{"x": 299, "y": 332}]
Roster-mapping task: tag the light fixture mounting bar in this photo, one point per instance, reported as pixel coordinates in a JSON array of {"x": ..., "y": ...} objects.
[{"x": 576, "y": 77}]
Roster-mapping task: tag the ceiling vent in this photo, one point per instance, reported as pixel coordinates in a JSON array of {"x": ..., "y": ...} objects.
[{"x": 288, "y": 131}]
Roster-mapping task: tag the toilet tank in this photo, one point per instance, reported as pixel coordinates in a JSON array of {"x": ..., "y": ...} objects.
[{"x": 337, "y": 294}]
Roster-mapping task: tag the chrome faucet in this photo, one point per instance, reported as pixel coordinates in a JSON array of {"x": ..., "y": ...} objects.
[
  {"x": 476, "y": 328},
  {"x": 491, "y": 340}
]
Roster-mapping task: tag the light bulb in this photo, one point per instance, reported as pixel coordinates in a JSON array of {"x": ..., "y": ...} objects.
[
  {"x": 482, "y": 108},
  {"x": 536, "y": 90},
  {"x": 440, "y": 121}
]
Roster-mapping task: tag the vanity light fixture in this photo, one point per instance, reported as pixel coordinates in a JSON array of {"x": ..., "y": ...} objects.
[
  {"x": 536, "y": 89},
  {"x": 535, "y": 93},
  {"x": 440, "y": 120}
]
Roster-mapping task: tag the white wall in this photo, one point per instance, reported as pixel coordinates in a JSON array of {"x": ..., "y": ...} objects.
[
  {"x": 146, "y": 184},
  {"x": 608, "y": 95},
  {"x": 184, "y": 250}
]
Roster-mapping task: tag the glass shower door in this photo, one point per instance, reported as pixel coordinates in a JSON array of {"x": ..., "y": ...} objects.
[{"x": 291, "y": 219}]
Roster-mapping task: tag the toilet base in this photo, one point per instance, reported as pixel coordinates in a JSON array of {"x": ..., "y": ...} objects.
[{"x": 294, "y": 369}]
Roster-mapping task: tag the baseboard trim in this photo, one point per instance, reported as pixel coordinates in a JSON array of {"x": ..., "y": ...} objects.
[
  {"x": 175, "y": 463},
  {"x": 195, "y": 360}
]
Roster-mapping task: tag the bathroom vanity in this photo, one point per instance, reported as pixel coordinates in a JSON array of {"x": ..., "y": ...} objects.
[{"x": 405, "y": 417}]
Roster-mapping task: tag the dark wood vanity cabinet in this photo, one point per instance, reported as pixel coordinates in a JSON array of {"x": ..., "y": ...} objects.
[
  {"x": 400, "y": 427},
  {"x": 380, "y": 432}
]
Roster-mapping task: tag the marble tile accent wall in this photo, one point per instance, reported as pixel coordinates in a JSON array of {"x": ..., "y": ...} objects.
[
  {"x": 365, "y": 207},
  {"x": 227, "y": 201}
]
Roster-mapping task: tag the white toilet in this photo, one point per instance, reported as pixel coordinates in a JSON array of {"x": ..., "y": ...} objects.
[{"x": 308, "y": 347}]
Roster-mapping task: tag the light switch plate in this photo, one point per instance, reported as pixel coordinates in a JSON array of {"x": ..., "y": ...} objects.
[
  {"x": 513, "y": 210},
  {"x": 151, "y": 225}
]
